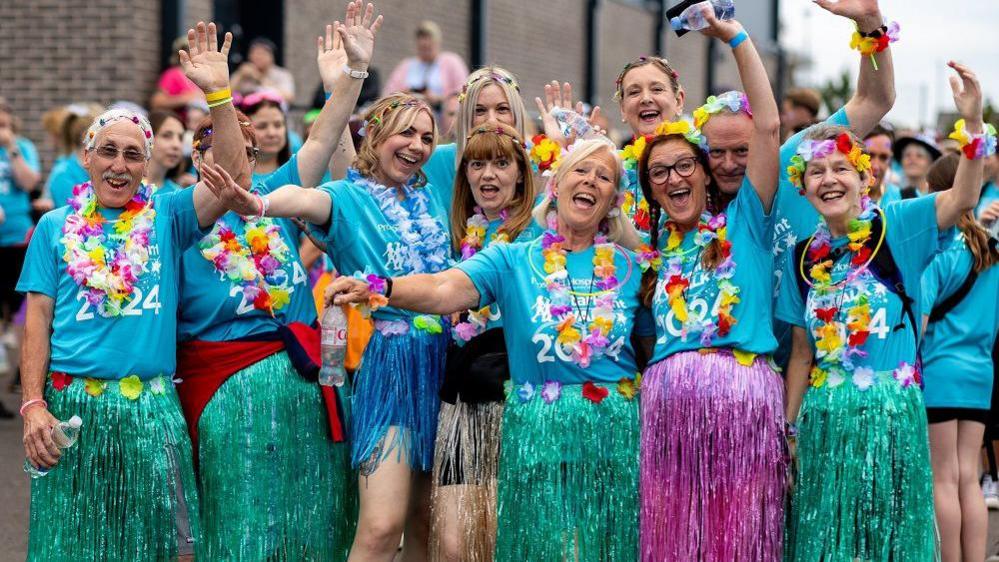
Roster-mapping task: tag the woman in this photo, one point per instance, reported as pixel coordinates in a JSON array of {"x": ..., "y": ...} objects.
[
  {"x": 959, "y": 290},
  {"x": 382, "y": 220},
  {"x": 712, "y": 478},
  {"x": 268, "y": 112},
  {"x": 68, "y": 127},
  {"x": 568, "y": 478},
  {"x": 284, "y": 489},
  {"x": 863, "y": 484},
  {"x": 493, "y": 199},
  {"x": 168, "y": 152}
]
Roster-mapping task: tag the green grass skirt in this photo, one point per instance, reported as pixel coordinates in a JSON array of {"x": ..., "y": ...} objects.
[
  {"x": 274, "y": 486},
  {"x": 863, "y": 484},
  {"x": 126, "y": 491},
  {"x": 568, "y": 479}
]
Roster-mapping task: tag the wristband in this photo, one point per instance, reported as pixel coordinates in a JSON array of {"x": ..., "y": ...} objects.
[
  {"x": 981, "y": 145},
  {"x": 388, "y": 287},
  {"x": 738, "y": 39},
  {"x": 329, "y": 95},
  {"x": 262, "y": 204},
  {"x": 875, "y": 41},
  {"x": 379, "y": 288},
  {"x": 219, "y": 103},
  {"x": 356, "y": 74},
  {"x": 31, "y": 403},
  {"x": 218, "y": 95}
]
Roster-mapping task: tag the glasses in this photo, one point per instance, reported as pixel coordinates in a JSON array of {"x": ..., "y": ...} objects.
[
  {"x": 111, "y": 153},
  {"x": 684, "y": 168},
  {"x": 251, "y": 151}
]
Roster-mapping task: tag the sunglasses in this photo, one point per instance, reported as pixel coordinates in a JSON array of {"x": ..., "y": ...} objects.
[{"x": 111, "y": 152}]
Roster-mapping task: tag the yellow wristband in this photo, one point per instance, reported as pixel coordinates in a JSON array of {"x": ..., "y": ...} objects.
[
  {"x": 219, "y": 103},
  {"x": 219, "y": 95}
]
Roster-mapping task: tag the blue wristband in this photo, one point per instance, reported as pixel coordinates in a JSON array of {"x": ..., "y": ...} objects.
[
  {"x": 738, "y": 39},
  {"x": 329, "y": 95}
]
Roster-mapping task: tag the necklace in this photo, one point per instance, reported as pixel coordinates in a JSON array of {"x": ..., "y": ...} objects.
[
  {"x": 475, "y": 233},
  {"x": 107, "y": 266}
]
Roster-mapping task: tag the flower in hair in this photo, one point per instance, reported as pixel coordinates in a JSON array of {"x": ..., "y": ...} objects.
[
  {"x": 809, "y": 150},
  {"x": 732, "y": 101},
  {"x": 685, "y": 128}
]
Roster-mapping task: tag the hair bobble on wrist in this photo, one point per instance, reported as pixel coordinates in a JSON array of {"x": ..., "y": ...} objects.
[
  {"x": 874, "y": 42},
  {"x": 31, "y": 403}
]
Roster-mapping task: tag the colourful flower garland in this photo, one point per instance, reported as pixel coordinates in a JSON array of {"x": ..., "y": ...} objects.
[
  {"x": 251, "y": 260},
  {"x": 977, "y": 146},
  {"x": 809, "y": 150},
  {"x": 875, "y": 41},
  {"x": 475, "y": 233},
  {"x": 732, "y": 101},
  {"x": 107, "y": 266},
  {"x": 544, "y": 153},
  {"x": 583, "y": 349},
  {"x": 551, "y": 390},
  {"x": 630, "y": 155}
]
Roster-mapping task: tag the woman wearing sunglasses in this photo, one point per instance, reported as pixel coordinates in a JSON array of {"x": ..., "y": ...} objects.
[{"x": 274, "y": 470}]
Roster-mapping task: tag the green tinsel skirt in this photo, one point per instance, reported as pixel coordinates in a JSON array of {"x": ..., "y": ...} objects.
[
  {"x": 126, "y": 491},
  {"x": 274, "y": 486},
  {"x": 568, "y": 478},
  {"x": 863, "y": 484}
]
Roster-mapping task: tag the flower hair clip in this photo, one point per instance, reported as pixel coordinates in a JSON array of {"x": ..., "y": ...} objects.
[
  {"x": 733, "y": 101},
  {"x": 684, "y": 127},
  {"x": 494, "y": 76},
  {"x": 810, "y": 150},
  {"x": 977, "y": 146},
  {"x": 875, "y": 41}
]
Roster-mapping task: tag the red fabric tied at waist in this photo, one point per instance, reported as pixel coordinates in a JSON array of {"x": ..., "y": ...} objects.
[{"x": 203, "y": 366}]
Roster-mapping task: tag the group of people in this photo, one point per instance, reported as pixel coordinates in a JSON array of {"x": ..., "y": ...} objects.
[{"x": 569, "y": 346}]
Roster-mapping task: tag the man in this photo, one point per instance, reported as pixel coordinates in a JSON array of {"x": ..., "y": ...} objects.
[
  {"x": 916, "y": 154},
  {"x": 879, "y": 144},
  {"x": 260, "y": 72},
  {"x": 100, "y": 341},
  {"x": 799, "y": 110},
  {"x": 727, "y": 122}
]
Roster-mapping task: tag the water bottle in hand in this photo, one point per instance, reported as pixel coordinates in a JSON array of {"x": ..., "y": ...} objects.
[
  {"x": 64, "y": 435},
  {"x": 571, "y": 122},
  {"x": 334, "y": 346},
  {"x": 693, "y": 18}
]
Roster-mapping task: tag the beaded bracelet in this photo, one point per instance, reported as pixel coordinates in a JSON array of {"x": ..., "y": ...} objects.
[
  {"x": 981, "y": 145},
  {"x": 31, "y": 403},
  {"x": 875, "y": 41}
]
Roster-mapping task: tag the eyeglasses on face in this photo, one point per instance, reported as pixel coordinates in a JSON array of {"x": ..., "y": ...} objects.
[
  {"x": 111, "y": 152},
  {"x": 684, "y": 168}
]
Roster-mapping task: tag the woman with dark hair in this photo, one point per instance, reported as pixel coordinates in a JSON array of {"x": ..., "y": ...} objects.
[
  {"x": 269, "y": 113},
  {"x": 168, "y": 154},
  {"x": 959, "y": 306}
]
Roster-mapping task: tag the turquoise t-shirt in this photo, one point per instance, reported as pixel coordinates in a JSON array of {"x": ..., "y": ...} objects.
[
  {"x": 360, "y": 235},
  {"x": 143, "y": 340},
  {"x": 911, "y": 234},
  {"x": 749, "y": 230},
  {"x": 441, "y": 170},
  {"x": 213, "y": 308},
  {"x": 892, "y": 194},
  {"x": 67, "y": 173},
  {"x": 14, "y": 201},
  {"x": 990, "y": 194},
  {"x": 512, "y": 276},
  {"x": 957, "y": 350},
  {"x": 168, "y": 186}
]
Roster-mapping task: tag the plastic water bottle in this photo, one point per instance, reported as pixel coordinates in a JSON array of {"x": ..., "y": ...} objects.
[
  {"x": 334, "y": 346},
  {"x": 64, "y": 435},
  {"x": 693, "y": 19},
  {"x": 572, "y": 122}
]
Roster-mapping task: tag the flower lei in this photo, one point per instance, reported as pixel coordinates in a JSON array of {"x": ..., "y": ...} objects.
[
  {"x": 977, "y": 146},
  {"x": 253, "y": 261},
  {"x": 834, "y": 352},
  {"x": 107, "y": 266},
  {"x": 475, "y": 233},
  {"x": 630, "y": 156},
  {"x": 732, "y": 101},
  {"x": 809, "y": 150},
  {"x": 544, "y": 153},
  {"x": 583, "y": 349},
  {"x": 875, "y": 41},
  {"x": 709, "y": 228}
]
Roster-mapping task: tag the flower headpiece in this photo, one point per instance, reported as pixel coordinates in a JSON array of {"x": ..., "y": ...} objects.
[
  {"x": 493, "y": 76},
  {"x": 733, "y": 101},
  {"x": 619, "y": 82},
  {"x": 378, "y": 119},
  {"x": 809, "y": 150},
  {"x": 111, "y": 116},
  {"x": 683, "y": 126}
]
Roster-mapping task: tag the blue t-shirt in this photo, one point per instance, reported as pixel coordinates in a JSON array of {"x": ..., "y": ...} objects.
[
  {"x": 990, "y": 194},
  {"x": 957, "y": 350},
  {"x": 512, "y": 276},
  {"x": 892, "y": 194},
  {"x": 14, "y": 201},
  {"x": 213, "y": 308},
  {"x": 143, "y": 340},
  {"x": 749, "y": 230},
  {"x": 441, "y": 170},
  {"x": 67, "y": 173},
  {"x": 168, "y": 186},
  {"x": 911, "y": 234},
  {"x": 360, "y": 236}
]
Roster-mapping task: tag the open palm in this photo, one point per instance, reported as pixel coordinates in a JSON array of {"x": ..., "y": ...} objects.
[
  {"x": 358, "y": 31},
  {"x": 853, "y": 9},
  {"x": 330, "y": 56},
  {"x": 967, "y": 92},
  {"x": 206, "y": 65}
]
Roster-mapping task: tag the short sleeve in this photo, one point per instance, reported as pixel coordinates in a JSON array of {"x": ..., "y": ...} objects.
[
  {"x": 912, "y": 232},
  {"x": 339, "y": 232},
  {"x": 645, "y": 324},
  {"x": 183, "y": 218},
  {"x": 487, "y": 270},
  {"x": 286, "y": 174},
  {"x": 440, "y": 171},
  {"x": 790, "y": 305},
  {"x": 29, "y": 153},
  {"x": 40, "y": 273},
  {"x": 755, "y": 220}
]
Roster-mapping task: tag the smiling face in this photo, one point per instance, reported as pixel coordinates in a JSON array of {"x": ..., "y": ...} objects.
[
  {"x": 494, "y": 183},
  {"x": 833, "y": 186},
  {"x": 648, "y": 99},
  {"x": 682, "y": 199},
  {"x": 879, "y": 146},
  {"x": 401, "y": 155},
  {"x": 117, "y": 163},
  {"x": 916, "y": 162},
  {"x": 168, "y": 148},
  {"x": 492, "y": 105},
  {"x": 268, "y": 122},
  {"x": 728, "y": 137},
  {"x": 587, "y": 191}
]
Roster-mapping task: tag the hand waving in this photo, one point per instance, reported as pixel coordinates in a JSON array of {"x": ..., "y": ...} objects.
[
  {"x": 967, "y": 93},
  {"x": 330, "y": 56},
  {"x": 229, "y": 193},
  {"x": 357, "y": 34},
  {"x": 866, "y": 13},
  {"x": 206, "y": 65},
  {"x": 560, "y": 95}
]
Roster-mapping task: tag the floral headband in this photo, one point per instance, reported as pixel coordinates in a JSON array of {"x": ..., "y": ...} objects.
[
  {"x": 686, "y": 128},
  {"x": 496, "y": 131},
  {"x": 494, "y": 76},
  {"x": 208, "y": 133},
  {"x": 114, "y": 115},
  {"x": 619, "y": 82},
  {"x": 376, "y": 120},
  {"x": 809, "y": 150},
  {"x": 733, "y": 101}
]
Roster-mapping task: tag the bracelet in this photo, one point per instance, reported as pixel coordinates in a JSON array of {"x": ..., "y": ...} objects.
[
  {"x": 875, "y": 41},
  {"x": 219, "y": 95},
  {"x": 31, "y": 403},
  {"x": 263, "y": 205},
  {"x": 356, "y": 74},
  {"x": 219, "y": 103},
  {"x": 975, "y": 146},
  {"x": 388, "y": 287},
  {"x": 738, "y": 39},
  {"x": 379, "y": 289}
]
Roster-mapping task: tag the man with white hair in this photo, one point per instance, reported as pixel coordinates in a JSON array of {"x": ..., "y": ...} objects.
[{"x": 101, "y": 283}]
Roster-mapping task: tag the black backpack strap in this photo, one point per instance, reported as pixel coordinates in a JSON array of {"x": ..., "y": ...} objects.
[
  {"x": 908, "y": 192},
  {"x": 885, "y": 269},
  {"x": 955, "y": 298}
]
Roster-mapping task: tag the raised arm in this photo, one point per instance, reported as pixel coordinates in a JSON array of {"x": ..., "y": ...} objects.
[
  {"x": 289, "y": 201},
  {"x": 963, "y": 195},
  {"x": 349, "y": 44},
  {"x": 762, "y": 167},
  {"x": 439, "y": 293},
  {"x": 875, "y": 94}
]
